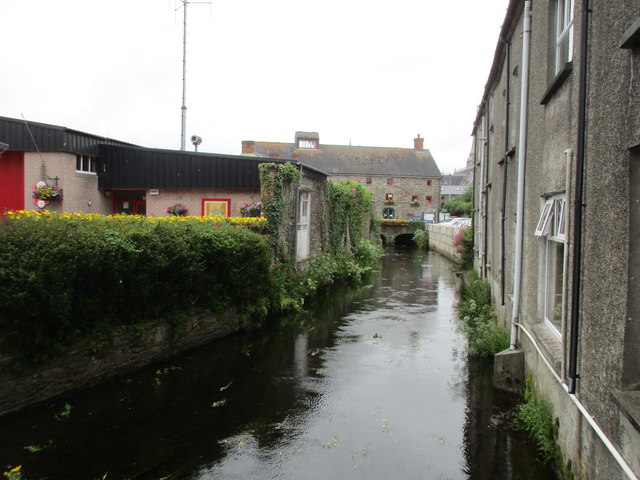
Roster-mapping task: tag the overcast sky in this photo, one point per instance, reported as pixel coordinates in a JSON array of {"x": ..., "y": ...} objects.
[{"x": 365, "y": 72}]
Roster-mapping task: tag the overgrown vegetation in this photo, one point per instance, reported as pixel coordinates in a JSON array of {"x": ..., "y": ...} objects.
[
  {"x": 463, "y": 242},
  {"x": 461, "y": 206},
  {"x": 421, "y": 238},
  {"x": 535, "y": 416},
  {"x": 349, "y": 204},
  {"x": 485, "y": 337},
  {"x": 71, "y": 276},
  {"x": 273, "y": 179},
  {"x": 67, "y": 276}
]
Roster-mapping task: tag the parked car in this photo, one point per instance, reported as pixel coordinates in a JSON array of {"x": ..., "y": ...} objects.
[{"x": 457, "y": 222}]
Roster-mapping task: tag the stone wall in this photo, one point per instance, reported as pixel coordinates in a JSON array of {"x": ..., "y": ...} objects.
[
  {"x": 441, "y": 239},
  {"x": 131, "y": 349}
]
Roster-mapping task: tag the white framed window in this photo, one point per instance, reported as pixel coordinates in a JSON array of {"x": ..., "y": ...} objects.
[
  {"x": 551, "y": 228},
  {"x": 307, "y": 143},
  {"x": 86, "y": 163},
  {"x": 564, "y": 33}
]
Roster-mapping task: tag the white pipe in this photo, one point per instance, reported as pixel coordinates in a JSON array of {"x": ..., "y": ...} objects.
[
  {"x": 522, "y": 155},
  {"x": 585, "y": 413}
]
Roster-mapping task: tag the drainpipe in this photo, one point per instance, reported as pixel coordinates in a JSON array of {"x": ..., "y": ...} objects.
[
  {"x": 577, "y": 203},
  {"x": 485, "y": 190},
  {"x": 503, "y": 219},
  {"x": 522, "y": 155}
]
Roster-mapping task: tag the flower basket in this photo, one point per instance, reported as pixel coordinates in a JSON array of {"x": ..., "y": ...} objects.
[
  {"x": 47, "y": 193},
  {"x": 177, "y": 209},
  {"x": 389, "y": 202},
  {"x": 251, "y": 209},
  {"x": 415, "y": 204}
]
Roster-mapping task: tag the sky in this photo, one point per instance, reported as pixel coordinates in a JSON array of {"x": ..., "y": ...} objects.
[{"x": 358, "y": 72}]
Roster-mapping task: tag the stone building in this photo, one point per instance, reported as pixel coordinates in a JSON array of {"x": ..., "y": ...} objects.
[
  {"x": 557, "y": 197},
  {"x": 404, "y": 182}
]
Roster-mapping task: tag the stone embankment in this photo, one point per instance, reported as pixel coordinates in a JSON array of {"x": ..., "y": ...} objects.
[
  {"x": 441, "y": 240},
  {"x": 129, "y": 350}
]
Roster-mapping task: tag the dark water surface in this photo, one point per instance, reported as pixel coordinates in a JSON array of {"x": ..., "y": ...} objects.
[{"x": 371, "y": 385}]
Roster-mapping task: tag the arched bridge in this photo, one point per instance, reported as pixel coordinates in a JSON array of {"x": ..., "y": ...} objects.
[{"x": 397, "y": 232}]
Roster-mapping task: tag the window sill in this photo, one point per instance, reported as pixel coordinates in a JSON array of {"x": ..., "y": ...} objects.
[
  {"x": 557, "y": 82},
  {"x": 629, "y": 403},
  {"x": 550, "y": 345}
]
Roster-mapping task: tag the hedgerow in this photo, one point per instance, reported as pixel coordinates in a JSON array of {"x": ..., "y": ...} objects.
[
  {"x": 71, "y": 276},
  {"x": 65, "y": 276}
]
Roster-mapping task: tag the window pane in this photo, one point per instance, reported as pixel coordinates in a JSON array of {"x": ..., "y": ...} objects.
[{"x": 554, "y": 283}]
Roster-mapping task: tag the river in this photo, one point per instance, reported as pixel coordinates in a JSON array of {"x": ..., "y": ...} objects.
[{"x": 372, "y": 383}]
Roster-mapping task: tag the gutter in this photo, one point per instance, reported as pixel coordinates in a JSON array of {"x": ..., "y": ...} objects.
[
  {"x": 522, "y": 155},
  {"x": 578, "y": 205}
]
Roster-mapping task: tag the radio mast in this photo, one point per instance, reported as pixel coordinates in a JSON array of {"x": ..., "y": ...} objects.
[{"x": 185, "y": 3}]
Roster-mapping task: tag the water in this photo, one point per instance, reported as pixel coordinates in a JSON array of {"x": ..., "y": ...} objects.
[{"x": 371, "y": 385}]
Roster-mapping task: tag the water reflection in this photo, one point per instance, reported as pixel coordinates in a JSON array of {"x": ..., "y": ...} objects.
[{"x": 368, "y": 385}]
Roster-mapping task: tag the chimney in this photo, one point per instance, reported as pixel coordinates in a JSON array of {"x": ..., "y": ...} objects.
[
  {"x": 248, "y": 147},
  {"x": 418, "y": 144}
]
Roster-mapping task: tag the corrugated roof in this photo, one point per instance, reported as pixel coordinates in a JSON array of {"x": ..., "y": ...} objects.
[{"x": 345, "y": 160}]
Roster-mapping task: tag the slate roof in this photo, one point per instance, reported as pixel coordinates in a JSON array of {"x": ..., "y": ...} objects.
[{"x": 346, "y": 160}]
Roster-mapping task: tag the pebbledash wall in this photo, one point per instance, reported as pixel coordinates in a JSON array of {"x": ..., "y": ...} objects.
[{"x": 577, "y": 323}]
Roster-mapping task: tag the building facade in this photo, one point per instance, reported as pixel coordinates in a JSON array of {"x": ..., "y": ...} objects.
[
  {"x": 557, "y": 194},
  {"x": 404, "y": 182}
]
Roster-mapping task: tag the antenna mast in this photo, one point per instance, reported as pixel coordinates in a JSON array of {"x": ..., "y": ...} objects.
[{"x": 184, "y": 72}]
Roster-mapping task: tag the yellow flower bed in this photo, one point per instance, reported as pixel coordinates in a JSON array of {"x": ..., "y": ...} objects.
[{"x": 214, "y": 220}]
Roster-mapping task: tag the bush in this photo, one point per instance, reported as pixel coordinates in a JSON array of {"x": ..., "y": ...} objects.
[
  {"x": 485, "y": 337},
  {"x": 421, "y": 239},
  {"x": 69, "y": 275}
]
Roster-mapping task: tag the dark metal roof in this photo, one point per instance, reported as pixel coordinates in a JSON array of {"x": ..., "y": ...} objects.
[
  {"x": 346, "y": 160},
  {"x": 137, "y": 167},
  {"x": 49, "y": 138}
]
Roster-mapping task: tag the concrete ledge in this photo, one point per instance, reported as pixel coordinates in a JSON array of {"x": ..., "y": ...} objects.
[{"x": 508, "y": 371}]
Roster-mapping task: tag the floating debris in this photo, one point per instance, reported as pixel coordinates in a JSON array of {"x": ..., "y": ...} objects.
[
  {"x": 315, "y": 352},
  {"x": 334, "y": 442},
  {"x": 219, "y": 403},
  {"x": 222, "y": 389}
]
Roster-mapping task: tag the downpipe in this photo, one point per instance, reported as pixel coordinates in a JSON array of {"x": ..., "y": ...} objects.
[{"x": 522, "y": 155}]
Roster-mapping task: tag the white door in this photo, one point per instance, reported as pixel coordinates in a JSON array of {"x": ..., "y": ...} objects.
[{"x": 302, "y": 237}]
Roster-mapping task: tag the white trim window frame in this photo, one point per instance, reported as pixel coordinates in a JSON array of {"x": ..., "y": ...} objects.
[
  {"x": 86, "y": 164},
  {"x": 564, "y": 33},
  {"x": 551, "y": 228}
]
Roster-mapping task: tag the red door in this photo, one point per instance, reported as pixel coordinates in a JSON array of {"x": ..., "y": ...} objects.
[{"x": 11, "y": 181}]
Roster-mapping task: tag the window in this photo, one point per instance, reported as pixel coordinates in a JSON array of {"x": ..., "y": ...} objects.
[
  {"x": 414, "y": 199},
  {"x": 307, "y": 143},
  {"x": 86, "y": 163},
  {"x": 389, "y": 181},
  {"x": 212, "y": 207},
  {"x": 368, "y": 181},
  {"x": 563, "y": 34},
  {"x": 388, "y": 213},
  {"x": 551, "y": 228},
  {"x": 429, "y": 183},
  {"x": 389, "y": 197},
  {"x": 429, "y": 198}
]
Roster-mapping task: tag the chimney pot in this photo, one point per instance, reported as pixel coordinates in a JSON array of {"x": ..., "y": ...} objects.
[
  {"x": 418, "y": 144},
  {"x": 248, "y": 147}
]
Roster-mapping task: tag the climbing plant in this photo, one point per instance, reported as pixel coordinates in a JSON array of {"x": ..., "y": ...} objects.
[
  {"x": 273, "y": 177},
  {"x": 349, "y": 203}
]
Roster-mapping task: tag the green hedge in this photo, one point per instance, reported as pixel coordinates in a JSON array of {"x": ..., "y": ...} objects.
[{"x": 65, "y": 277}]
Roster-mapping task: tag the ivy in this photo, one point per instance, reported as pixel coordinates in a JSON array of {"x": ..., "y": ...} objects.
[
  {"x": 273, "y": 178},
  {"x": 349, "y": 204}
]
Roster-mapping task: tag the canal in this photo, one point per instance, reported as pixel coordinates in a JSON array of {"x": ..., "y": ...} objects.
[{"x": 372, "y": 383}]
